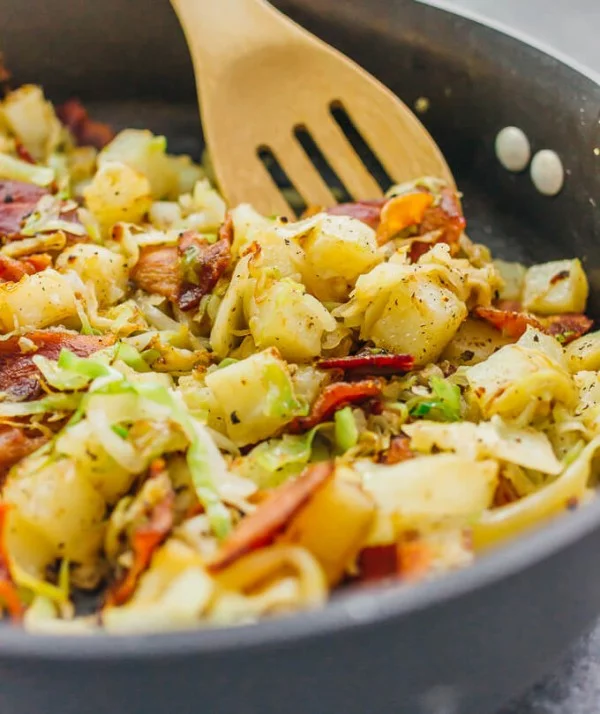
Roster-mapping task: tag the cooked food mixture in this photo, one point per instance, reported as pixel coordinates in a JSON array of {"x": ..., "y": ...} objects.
[{"x": 208, "y": 415}]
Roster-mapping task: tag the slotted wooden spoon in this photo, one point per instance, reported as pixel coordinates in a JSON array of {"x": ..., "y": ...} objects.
[{"x": 260, "y": 77}]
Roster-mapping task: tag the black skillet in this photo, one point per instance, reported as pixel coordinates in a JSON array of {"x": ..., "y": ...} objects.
[{"x": 463, "y": 644}]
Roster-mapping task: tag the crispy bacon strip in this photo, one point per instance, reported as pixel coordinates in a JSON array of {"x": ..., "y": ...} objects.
[
  {"x": 334, "y": 397},
  {"x": 9, "y": 597},
  {"x": 12, "y": 216},
  {"x": 368, "y": 212},
  {"x": 513, "y": 323},
  {"x": 12, "y": 269},
  {"x": 19, "y": 377},
  {"x": 401, "y": 212},
  {"x": 261, "y": 526},
  {"x": 163, "y": 271},
  {"x": 210, "y": 263},
  {"x": 370, "y": 363},
  {"x": 399, "y": 450},
  {"x": 23, "y": 154},
  {"x": 378, "y": 562},
  {"x": 15, "y": 444},
  {"x": 227, "y": 229},
  {"x": 20, "y": 192},
  {"x": 17, "y": 200},
  {"x": 86, "y": 131},
  {"x": 144, "y": 543},
  {"x": 505, "y": 492},
  {"x": 510, "y": 322},
  {"x": 415, "y": 558},
  {"x": 158, "y": 271},
  {"x": 567, "y": 327},
  {"x": 446, "y": 217}
]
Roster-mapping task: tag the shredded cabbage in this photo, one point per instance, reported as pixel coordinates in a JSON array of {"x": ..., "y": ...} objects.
[
  {"x": 346, "y": 431},
  {"x": 18, "y": 170},
  {"x": 443, "y": 405}
]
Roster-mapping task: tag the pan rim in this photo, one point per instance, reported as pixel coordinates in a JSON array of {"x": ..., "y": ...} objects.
[{"x": 353, "y": 611}]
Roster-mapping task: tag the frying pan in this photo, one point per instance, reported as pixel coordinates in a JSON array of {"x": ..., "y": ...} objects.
[{"x": 464, "y": 643}]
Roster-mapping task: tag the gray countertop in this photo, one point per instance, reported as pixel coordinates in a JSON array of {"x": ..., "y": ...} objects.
[{"x": 571, "y": 28}]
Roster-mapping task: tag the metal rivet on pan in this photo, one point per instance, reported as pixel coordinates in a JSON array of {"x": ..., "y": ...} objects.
[
  {"x": 512, "y": 148},
  {"x": 547, "y": 172}
]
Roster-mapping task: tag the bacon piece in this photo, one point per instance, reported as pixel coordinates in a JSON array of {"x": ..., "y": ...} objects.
[
  {"x": 227, "y": 229},
  {"x": 368, "y": 212},
  {"x": 19, "y": 377},
  {"x": 401, "y": 212},
  {"x": 161, "y": 271},
  {"x": 378, "y": 562},
  {"x": 446, "y": 217},
  {"x": 510, "y": 322},
  {"x": 505, "y": 492},
  {"x": 269, "y": 519},
  {"x": 12, "y": 216},
  {"x": 9, "y": 596},
  {"x": 209, "y": 264},
  {"x": 23, "y": 154},
  {"x": 334, "y": 397},
  {"x": 567, "y": 327},
  {"x": 370, "y": 364},
  {"x": 158, "y": 271},
  {"x": 86, "y": 131},
  {"x": 398, "y": 451},
  {"x": 12, "y": 269},
  {"x": 16, "y": 444},
  {"x": 20, "y": 192},
  {"x": 17, "y": 200},
  {"x": 415, "y": 558},
  {"x": 144, "y": 542}
]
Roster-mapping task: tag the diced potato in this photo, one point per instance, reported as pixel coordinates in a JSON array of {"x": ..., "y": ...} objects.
[
  {"x": 284, "y": 316},
  {"x": 475, "y": 341},
  {"x": 283, "y": 256},
  {"x": 103, "y": 268},
  {"x": 165, "y": 214},
  {"x": 203, "y": 209},
  {"x": 256, "y": 395},
  {"x": 93, "y": 463},
  {"x": 518, "y": 378},
  {"x": 32, "y": 119},
  {"x": 28, "y": 546},
  {"x": 584, "y": 353},
  {"x": 146, "y": 153},
  {"x": 277, "y": 249},
  {"x": 60, "y": 503},
  {"x": 334, "y": 526},
  {"x": 38, "y": 300},
  {"x": 556, "y": 287},
  {"x": 338, "y": 250},
  {"x": 513, "y": 275},
  {"x": 118, "y": 193},
  {"x": 248, "y": 226},
  {"x": 408, "y": 311},
  {"x": 429, "y": 490}
]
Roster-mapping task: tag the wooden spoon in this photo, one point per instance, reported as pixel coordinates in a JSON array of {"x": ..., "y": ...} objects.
[{"x": 261, "y": 78}]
